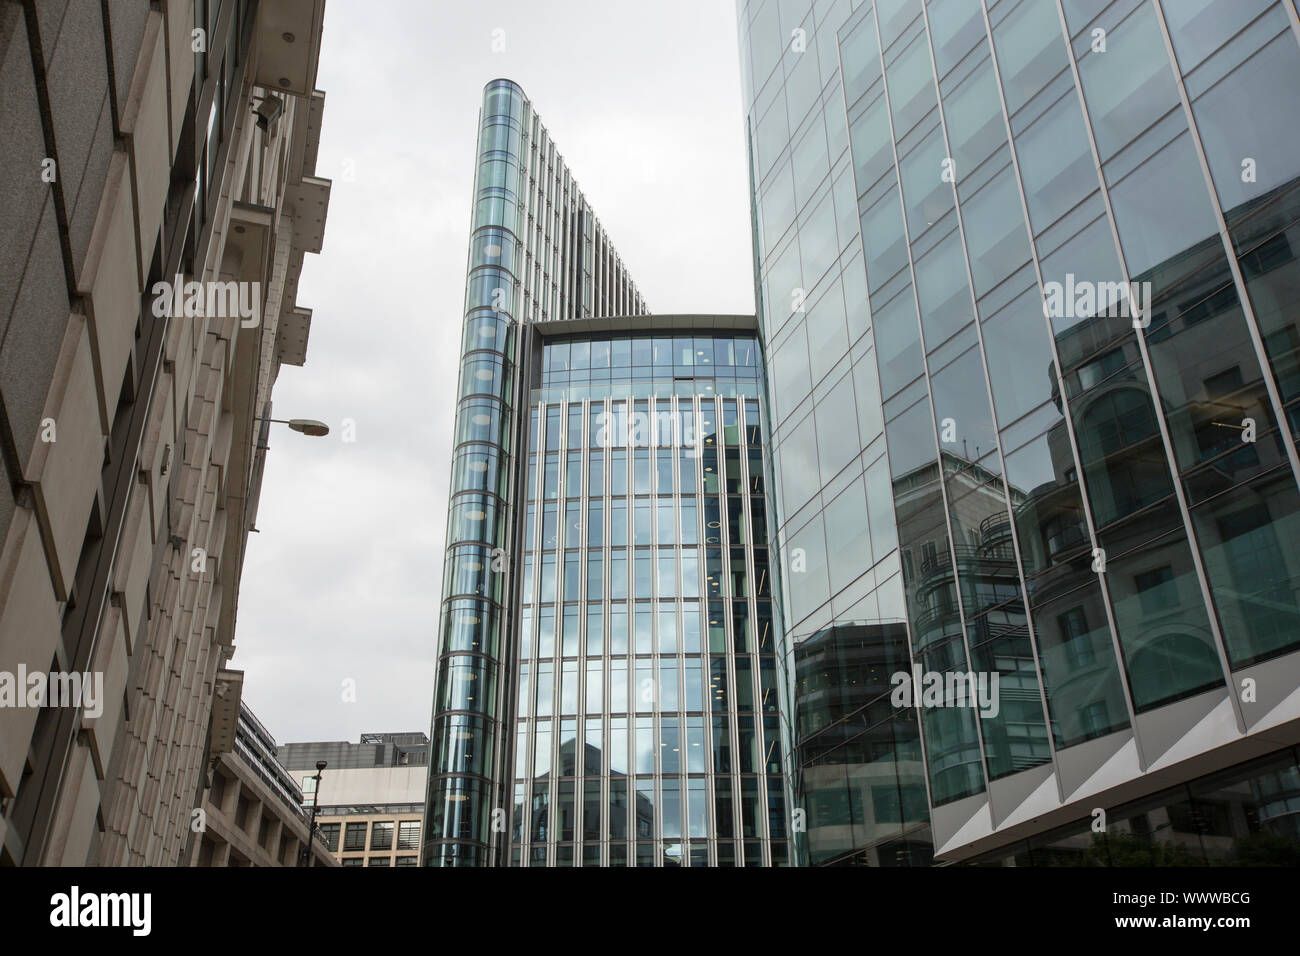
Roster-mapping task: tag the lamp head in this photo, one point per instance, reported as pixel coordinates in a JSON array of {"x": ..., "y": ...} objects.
[{"x": 309, "y": 426}]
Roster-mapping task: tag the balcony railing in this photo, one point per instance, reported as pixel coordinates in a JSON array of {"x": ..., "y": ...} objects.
[{"x": 968, "y": 557}]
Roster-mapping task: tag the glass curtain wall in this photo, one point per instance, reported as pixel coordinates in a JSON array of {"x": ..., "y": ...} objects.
[
  {"x": 1023, "y": 271},
  {"x": 646, "y": 727}
]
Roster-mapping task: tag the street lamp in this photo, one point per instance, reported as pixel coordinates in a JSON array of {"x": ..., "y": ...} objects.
[
  {"x": 308, "y": 426},
  {"x": 305, "y": 858}
]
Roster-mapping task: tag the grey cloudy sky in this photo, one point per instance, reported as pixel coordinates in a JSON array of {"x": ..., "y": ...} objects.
[{"x": 643, "y": 101}]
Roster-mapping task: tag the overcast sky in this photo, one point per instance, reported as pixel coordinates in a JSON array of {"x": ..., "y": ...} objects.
[{"x": 342, "y": 581}]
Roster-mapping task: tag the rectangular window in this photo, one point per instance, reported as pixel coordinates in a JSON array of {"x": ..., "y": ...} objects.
[
  {"x": 618, "y": 522},
  {"x": 645, "y": 687},
  {"x": 721, "y": 759},
  {"x": 575, "y": 421},
  {"x": 550, "y": 527},
  {"x": 570, "y": 634},
  {"x": 690, "y": 574},
  {"x": 620, "y": 353},
  {"x": 642, "y": 584},
  {"x": 549, "y": 576},
  {"x": 712, "y": 481},
  {"x": 591, "y": 816},
  {"x": 642, "y": 626},
  {"x": 572, "y": 575},
  {"x": 618, "y": 627},
  {"x": 541, "y": 816},
  {"x": 695, "y": 758},
  {"x": 408, "y": 835},
  {"x": 546, "y": 632},
  {"x": 645, "y": 745},
  {"x": 686, "y": 464},
  {"x": 691, "y": 628},
  {"x": 668, "y": 700},
  {"x": 693, "y": 693},
  {"x": 618, "y": 574},
  {"x": 617, "y": 748},
  {"x": 667, "y": 583},
  {"x": 642, "y": 469},
  {"x": 572, "y": 524},
  {"x": 594, "y": 569},
  {"x": 618, "y": 472},
  {"x": 595, "y": 630},
  {"x": 690, "y": 534},
  {"x": 545, "y": 688},
  {"x": 542, "y": 749},
  {"x": 595, "y": 523},
  {"x": 595, "y": 747},
  {"x": 667, "y": 531},
  {"x": 718, "y": 683},
  {"x": 595, "y": 687},
  {"x": 569, "y": 687},
  {"x": 573, "y": 475},
  {"x": 618, "y": 688},
  {"x": 521, "y": 750},
  {"x": 381, "y": 835},
  {"x": 330, "y": 831},
  {"x": 667, "y": 629},
  {"x": 664, "y": 468},
  {"x": 551, "y": 477},
  {"x": 641, "y": 521},
  {"x": 698, "y": 809},
  {"x": 740, "y": 627},
  {"x": 354, "y": 837},
  {"x": 744, "y": 688}
]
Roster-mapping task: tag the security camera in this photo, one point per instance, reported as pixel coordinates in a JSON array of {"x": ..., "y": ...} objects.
[{"x": 268, "y": 111}]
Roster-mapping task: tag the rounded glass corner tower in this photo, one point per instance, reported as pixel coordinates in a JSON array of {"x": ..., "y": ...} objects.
[
  {"x": 536, "y": 254},
  {"x": 464, "y": 780}
]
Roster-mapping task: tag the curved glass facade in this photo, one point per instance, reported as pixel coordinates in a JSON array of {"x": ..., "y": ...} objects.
[
  {"x": 536, "y": 254},
  {"x": 1021, "y": 268}
]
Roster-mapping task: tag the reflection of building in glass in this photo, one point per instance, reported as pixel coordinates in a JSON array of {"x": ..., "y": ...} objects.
[
  {"x": 607, "y": 661},
  {"x": 859, "y": 774},
  {"x": 1103, "y": 512}
]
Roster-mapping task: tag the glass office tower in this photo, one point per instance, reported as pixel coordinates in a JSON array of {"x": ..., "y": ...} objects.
[
  {"x": 536, "y": 254},
  {"x": 606, "y": 691},
  {"x": 646, "y": 717},
  {"x": 1028, "y": 297}
]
